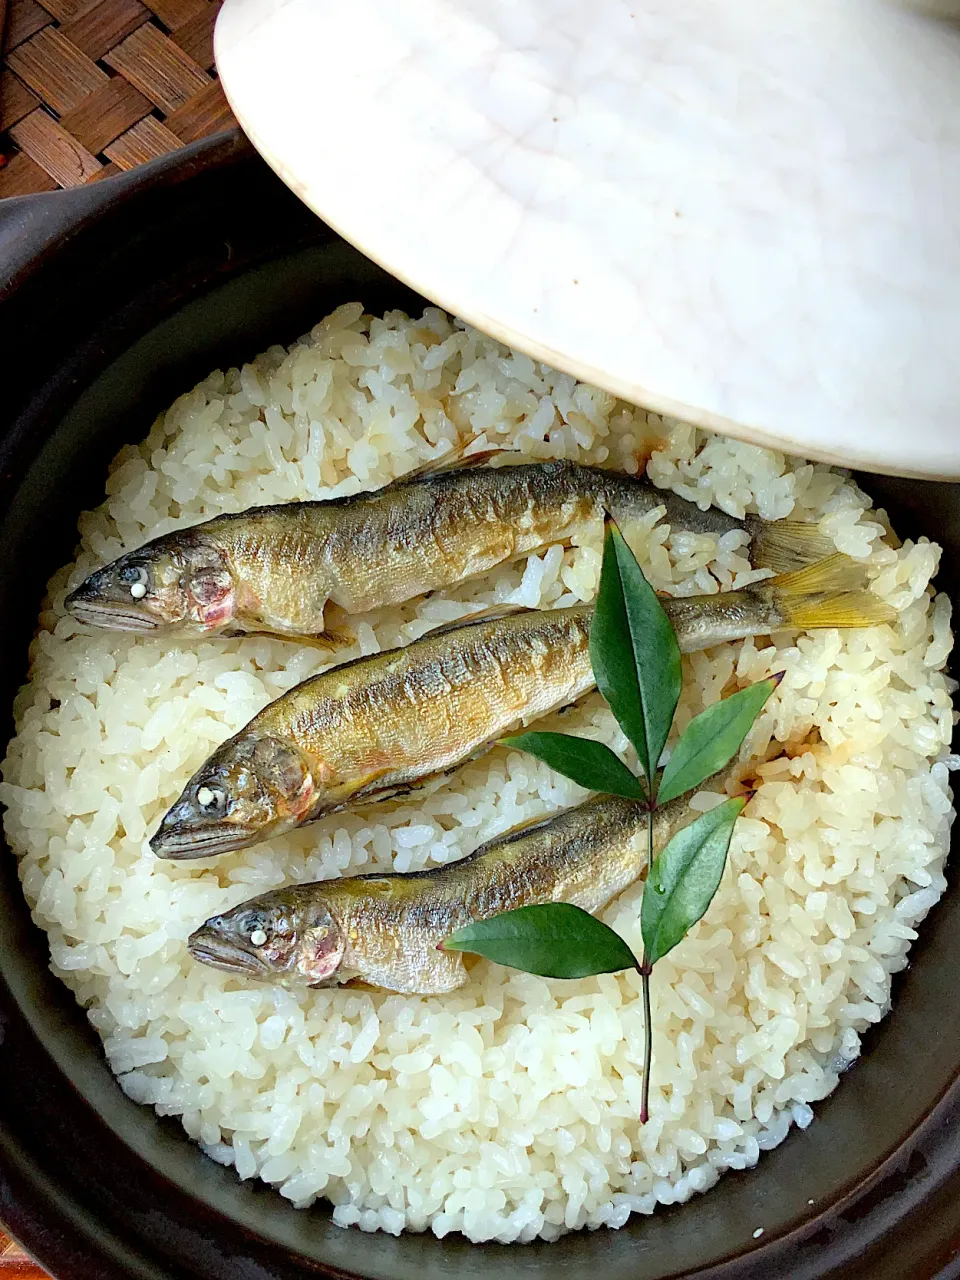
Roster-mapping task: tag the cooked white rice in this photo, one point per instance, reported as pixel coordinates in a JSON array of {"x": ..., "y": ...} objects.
[{"x": 509, "y": 1109}]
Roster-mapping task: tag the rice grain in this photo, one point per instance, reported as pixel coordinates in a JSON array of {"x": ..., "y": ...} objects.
[{"x": 507, "y": 1110}]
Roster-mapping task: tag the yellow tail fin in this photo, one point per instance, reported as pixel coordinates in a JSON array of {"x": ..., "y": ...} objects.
[
  {"x": 834, "y": 573},
  {"x": 786, "y": 545},
  {"x": 850, "y": 609},
  {"x": 829, "y": 594}
]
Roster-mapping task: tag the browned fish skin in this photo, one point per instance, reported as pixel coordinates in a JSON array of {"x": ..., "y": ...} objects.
[
  {"x": 280, "y": 569},
  {"x": 385, "y": 930},
  {"x": 376, "y": 726}
]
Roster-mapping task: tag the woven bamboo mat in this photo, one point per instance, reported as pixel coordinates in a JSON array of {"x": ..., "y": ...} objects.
[
  {"x": 89, "y": 88},
  {"x": 14, "y": 1263}
]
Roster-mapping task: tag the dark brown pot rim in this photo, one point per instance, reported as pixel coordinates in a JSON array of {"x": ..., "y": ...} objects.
[{"x": 898, "y": 1217}]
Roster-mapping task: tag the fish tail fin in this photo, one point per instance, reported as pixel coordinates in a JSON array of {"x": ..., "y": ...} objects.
[
  {"x": 834, "y": 573},
  {"x": 848, "y": 609},
  {"x": 831, "y": 593},
  {"x": 787, "y": 545}
]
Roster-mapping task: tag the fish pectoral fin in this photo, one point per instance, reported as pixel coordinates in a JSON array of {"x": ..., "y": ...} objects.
[
  {"x": 336, "y": 633},
  {"x": 327, "y": 640},
  {"x": 347, "y": 793},
  {"x": 331, "y": 638},
  {"x": 455, "y": 459},
  {"x": 526, "y": 827},
  {"x": 358, "y": 984},
  {"x": 398, "y": 792},
  {"x": 492, "y": 614},
  {"x": 319, "y": 628}
]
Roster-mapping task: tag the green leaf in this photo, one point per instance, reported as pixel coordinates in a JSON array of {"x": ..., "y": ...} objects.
[
  {"x": 590, "y": 763},
  {"x": 555, "y": 940},
  {"x": 684, "y": 878},
  {"x": 712, "y": 739},
  {"x": 635, "y": 656}
]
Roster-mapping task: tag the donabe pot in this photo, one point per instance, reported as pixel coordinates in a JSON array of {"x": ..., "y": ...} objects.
[{"x": 114, "y": 299}]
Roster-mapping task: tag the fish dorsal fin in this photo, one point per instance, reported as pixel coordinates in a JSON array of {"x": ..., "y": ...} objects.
[
  {"x": 491, "y": 614},
  {"x": 455, "y": 459}
]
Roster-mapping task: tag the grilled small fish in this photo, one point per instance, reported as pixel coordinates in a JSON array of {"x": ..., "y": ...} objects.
[
  {"x": 298, "y": 570},
  {"x": 380, "y": 725},
  {"x": 385, "y": 930}
]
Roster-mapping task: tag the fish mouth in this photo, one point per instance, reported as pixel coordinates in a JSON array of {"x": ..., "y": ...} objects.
[
  {"x": 109, "y": 617},
  {"x": 181, "y": 841},
  {"x": 210, "y": 947}
]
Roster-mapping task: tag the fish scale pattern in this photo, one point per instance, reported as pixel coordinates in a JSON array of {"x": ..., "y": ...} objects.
[{"x": 89, "y": 88}]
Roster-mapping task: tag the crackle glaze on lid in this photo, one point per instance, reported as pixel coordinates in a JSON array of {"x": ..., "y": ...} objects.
[{"x": 746, "y": 213}]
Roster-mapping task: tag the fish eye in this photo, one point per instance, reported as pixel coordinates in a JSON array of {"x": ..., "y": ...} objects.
[
  {"x": 135, "y": 575},
  {"x": 212, "y": 799},
  {"x": 254, "y": 928}
]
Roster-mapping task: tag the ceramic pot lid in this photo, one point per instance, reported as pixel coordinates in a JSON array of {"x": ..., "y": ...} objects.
[{"x": 746, "y": 213}]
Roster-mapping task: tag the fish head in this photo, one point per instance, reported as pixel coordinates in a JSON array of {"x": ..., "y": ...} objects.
[
  {"x": 252, "y": 788},
  {"x": 288, "y": 936},
  {"x": 176, "y": 583}
]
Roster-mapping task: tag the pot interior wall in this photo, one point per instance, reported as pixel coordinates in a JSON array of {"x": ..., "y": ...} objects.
[{"x": 156, "y": 1202}]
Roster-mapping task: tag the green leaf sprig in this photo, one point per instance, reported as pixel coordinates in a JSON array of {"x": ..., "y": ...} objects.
[{"x": 636, "y": 662}]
